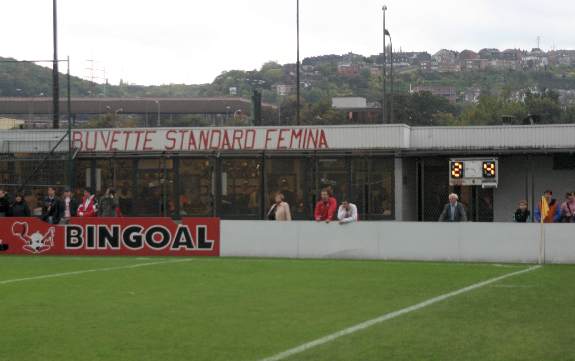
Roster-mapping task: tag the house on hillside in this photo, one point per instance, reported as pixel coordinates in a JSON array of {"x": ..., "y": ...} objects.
[
  {"x": 471, "y": 61},
  {"x": 411, "y": 58},
  {"x": 447, "y": 92},
  {"x": 348, "y": 69},
  {"x": 471, "y": 95},
  {"x": 445, "y": 56},
  {"x": 535, "y": 59},
  {"x": 489, "y": 53},
  {"x": 446, "y": 61},
  {"x": 284, "y": 89}
]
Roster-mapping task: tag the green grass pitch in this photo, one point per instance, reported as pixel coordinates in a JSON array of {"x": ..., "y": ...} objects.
[{"x": 251, "y": 309}]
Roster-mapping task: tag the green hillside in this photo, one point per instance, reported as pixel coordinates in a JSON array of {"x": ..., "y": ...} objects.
[{"x": 505, "y": 94}]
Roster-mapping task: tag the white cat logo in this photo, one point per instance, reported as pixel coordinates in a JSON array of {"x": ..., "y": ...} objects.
[{"x": 36, "y": 242}]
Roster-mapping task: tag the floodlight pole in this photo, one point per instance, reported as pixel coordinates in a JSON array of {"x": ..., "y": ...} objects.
[
  {"x": 70, "y": 149},
  {"x": 55, "y": 80},
  {"x": 384, "y": 72},
  {"x": 391, "y": 73},
  {"x": 298, "y": 120}
]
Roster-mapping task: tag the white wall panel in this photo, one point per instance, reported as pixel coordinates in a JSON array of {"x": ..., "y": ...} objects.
[{"x": 467, "y": 242}]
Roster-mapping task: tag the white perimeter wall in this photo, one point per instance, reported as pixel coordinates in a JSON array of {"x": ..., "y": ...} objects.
[{"x": 470, "y": 242}]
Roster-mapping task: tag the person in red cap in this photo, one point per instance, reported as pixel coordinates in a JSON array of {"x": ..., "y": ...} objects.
[{"x": 326, "y": 208}]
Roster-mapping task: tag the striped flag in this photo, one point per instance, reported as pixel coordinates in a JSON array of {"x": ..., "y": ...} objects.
[{"x": 544, "y": 207}]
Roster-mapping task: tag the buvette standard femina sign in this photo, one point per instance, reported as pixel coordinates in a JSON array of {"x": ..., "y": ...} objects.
[
  {"x": 112, "y": 236},
  {"x": 200, "y": 139}
]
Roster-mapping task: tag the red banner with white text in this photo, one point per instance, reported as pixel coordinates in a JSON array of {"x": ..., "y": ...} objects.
[{"x": 111, "y": 237}]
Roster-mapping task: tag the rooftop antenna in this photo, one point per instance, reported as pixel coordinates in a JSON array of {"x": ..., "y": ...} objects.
[{"x": 538, "y": 42}]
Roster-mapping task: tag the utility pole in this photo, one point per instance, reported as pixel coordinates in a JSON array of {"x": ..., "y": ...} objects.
[
  {"x": 55, "y": 80},
  {"x": 298, "y": 120},
  {"x": 384, "y": 71}
]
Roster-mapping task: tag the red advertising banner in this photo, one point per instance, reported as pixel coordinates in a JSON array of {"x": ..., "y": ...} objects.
[{"x": 111, "y": 237}]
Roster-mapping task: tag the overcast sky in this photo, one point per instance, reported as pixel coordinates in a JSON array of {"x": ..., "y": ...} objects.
[{"x": 192, "y": 41}]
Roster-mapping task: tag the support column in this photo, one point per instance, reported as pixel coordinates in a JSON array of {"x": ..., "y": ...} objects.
[{"x": 398, "y": 188}]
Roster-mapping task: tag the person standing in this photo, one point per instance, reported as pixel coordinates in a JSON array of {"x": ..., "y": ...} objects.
[
  {"x": 70, "y": 206},
  {"x": 52, "y": 208},
  {"x": 326, "y": 207},
  {"x": 347, "y": 212},
  {"x": 280, "y": 210},
  {"x": 109, "y": 205},
  {"x": 88, "y": 207},
  {"x": 20, "y": 207},
  {"x": 568, "y": 208},
  {"x": 453, "y": 211},
  {"x": 548, "y": 210},
  {"x": 4, "y": 204},
  {"x": 522, "y": 214}
]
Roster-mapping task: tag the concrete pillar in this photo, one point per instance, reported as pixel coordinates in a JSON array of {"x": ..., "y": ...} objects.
[{"x": 398, "y": 188}]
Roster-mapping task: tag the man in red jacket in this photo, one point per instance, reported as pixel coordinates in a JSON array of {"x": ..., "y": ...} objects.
[
  {"x": 326, "y": 208},
  {"x": 88, "y": 207}
]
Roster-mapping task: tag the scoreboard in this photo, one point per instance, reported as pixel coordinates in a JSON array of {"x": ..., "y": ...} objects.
[{"x": 474, "y": 172}]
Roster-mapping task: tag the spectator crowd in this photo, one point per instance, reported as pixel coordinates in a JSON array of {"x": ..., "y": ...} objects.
[
  {"x": 59, "y": 209},
  {"x": 326, "y": 209}
]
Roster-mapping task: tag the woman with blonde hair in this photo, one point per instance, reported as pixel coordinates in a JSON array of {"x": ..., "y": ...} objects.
[{"x": 279, "y": 211}]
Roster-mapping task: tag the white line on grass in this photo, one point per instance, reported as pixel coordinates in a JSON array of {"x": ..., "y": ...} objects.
[
  {"x": 73, "y": 273},
  {"x": 389, "y": 316}
]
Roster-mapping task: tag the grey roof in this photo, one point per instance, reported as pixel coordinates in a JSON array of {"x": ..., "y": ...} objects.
[{"x": 191, "y": 105}]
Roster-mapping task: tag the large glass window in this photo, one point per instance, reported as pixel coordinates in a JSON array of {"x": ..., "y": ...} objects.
[
  {"x": 155, "y": 188},
  {"x": 289, "y": 176},
  {"x": 241, "y": 189},
  {"x": 333, "y": 174},
  {"x": 124, "y": 180},
  {"x": 381, "y": 188},
  {"x": 373, "y": 187},
  {"x": 435, "y": 188},
  {"x": 83, "y": 171},
  {"x": 196, "y": 187}
]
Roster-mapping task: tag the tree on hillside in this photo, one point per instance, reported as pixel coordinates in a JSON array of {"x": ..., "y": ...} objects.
[{"x": 419, "y": 109}]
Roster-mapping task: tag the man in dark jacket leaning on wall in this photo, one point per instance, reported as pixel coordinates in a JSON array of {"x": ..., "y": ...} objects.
[{"x": 453, "y": 211}]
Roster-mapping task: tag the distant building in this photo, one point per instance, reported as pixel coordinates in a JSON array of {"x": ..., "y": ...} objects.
[
  {"x": 502, "y": 64},
  {"x": 357, "y": 109},
  {"x": 535, "y": 59},
  {"x": 11, "y": 123},
  {"x": 284, "y": 89},
  {"x": 308, "y": 68},
  {"x": 511, "y": 54},
  {"x": 566, "y": 97},
  {"x": 445, "y": 57},
  {"x": 428, "y": 66},
  {"x": 348, "y": 69},
  {"x": 411, "y": 58},
  {"x": 446, "y": 60},
  {"x": 448, "y": 68},
  {"x": 447, "y": 92},
  {"x": 375, "y": 70},
  {"x": 474, "y": 64},
  {"x": 471, "y": 95},
  {"x": 348, "y": 103},
  {"x": 467, "y": 55},
  {"x": 489, "y": 53}
]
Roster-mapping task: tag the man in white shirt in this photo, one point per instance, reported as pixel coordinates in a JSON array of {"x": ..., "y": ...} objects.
[{"x": 347, "y": 213}]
